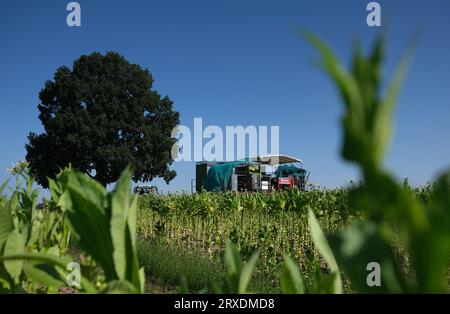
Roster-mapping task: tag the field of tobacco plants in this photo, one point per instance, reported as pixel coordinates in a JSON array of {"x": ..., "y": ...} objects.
[{"x": 276, "y": 223}]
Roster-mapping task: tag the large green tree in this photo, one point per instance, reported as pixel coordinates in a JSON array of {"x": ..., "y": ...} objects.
[{"x": 99, "y": 117}]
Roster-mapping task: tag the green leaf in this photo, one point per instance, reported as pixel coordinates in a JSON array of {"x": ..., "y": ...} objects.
[
  {"x": 233, "y": 260},
  {"x": 88, "y": 216},
  {"x": 356, "y": 145},
  {"x": 3, "y": 186},
  {"x": 120, "y": 202},
  {"x": 347, "y": 86},
  {"x": 87, "y": 187},
  {"x": 15, "y": 244},
  {"x": 119, "y": 287},
  {"x": 123, "y": 231},
  {"x": 430, "y": 250},
  {"x": 104, "y": 225},
  {"x": 291, "y": 279},
  {"x": 238, "y": 274},
  {"x": 131, "y": 220},
  {"x": 142, "y": 279},
  {"x": 324, "y": 284},
  {"x": 6, "y": 223},
  {"x": 44, "y": 274},
  {"x": 385, "y": 110},
  {"x": 357, "y": 246},
  {"x": 321, "y": 244},
  {"x": 133, "y": 273},
  {"x": 247, "y": 272},
  {"x": 61, "y": 263},
  {"x": 55, "y": 190}
]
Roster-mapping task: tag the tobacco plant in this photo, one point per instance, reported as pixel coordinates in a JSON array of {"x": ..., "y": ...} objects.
[
  {"x": 24, "y": 228},
  {"x": 102, "y": 227},
  {"x": 395, "y": 217}
]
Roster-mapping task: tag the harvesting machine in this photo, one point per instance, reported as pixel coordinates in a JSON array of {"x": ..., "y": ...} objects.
[{"x": 260, "y": 174}]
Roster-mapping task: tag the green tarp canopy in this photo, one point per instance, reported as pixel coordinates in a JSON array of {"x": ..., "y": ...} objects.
[
  {"x": 298, "y": 172},
  {"x": 218, "y": 176}
]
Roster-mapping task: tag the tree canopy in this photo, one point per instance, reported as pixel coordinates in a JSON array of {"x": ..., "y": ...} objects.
[{"x": 100, "y": 117}]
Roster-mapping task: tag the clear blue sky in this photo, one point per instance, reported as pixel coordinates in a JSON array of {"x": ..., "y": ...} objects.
[{"x": 238, "y": 63}]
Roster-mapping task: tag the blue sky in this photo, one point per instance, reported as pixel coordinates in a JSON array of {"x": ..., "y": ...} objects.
[{"x": 238, "y": 63}]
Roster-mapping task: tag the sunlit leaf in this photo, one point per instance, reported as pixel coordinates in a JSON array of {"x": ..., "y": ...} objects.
[
  {"x": 15, "y": 244},
  {"x": 357, "y": 246},
  {"x": 291, "y": 279},
  {"x": 6, "y": 224},
  {"x": 247, "y": 272},
  {"x": 321, "y": 244}
]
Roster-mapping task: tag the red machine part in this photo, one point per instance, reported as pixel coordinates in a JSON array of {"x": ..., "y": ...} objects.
[{"x": 283, "y": 182}]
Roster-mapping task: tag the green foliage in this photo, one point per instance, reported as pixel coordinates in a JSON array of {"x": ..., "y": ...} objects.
[
  {"x": 291, "y": 280},
  {"x": 277, "y": 223},
  {"x": 422, "y": 229},
  {"x": 103, "y": 226},
  {"x": 322, "y": 245},
  {"x": 171, "y": 265},
  {"x": 26, "y": 230},
  {"x": 367, "y": 121},
  {"x": 360, "y": 245},
  {"x": 238, "y": 274},
  {"x": 100, "y": 116},
  {"x": 34, "y": 242}
]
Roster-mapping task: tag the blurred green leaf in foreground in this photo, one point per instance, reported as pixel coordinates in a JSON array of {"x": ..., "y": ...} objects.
[{"x": 394, "y": 216}]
